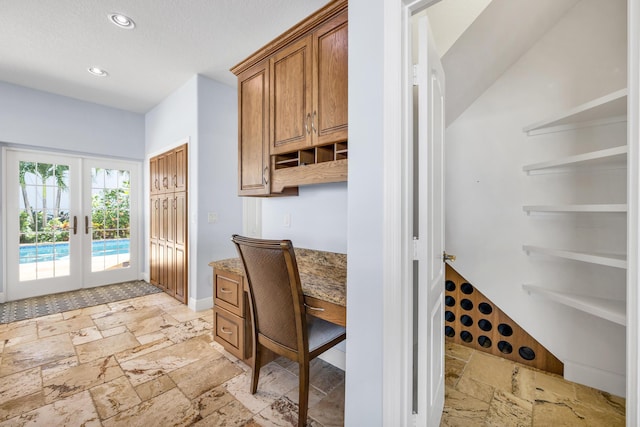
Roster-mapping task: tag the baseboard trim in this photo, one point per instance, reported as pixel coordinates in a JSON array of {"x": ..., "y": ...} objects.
[
  {"x": 335, "y": 357},
  {"x": 610, "y": 382},
  {"x": 2, "y": 298},
  {"x": 200, "y": 304}
]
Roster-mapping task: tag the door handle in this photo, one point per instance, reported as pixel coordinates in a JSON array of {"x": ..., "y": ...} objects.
[
  {"x": 447, "y": 257},
  {"x": 75, "y": 224},
  {"x": 265, "y": 175},
  {"x": 306, "y": 123},
  {"x": 86, "y": 224}
]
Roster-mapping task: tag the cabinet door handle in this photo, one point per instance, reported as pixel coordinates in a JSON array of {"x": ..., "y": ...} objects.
[
  {"x": 314, "y": 308},
  {"x": 165, "y": 182},
  {"x": 86, "y": 224},
  {"x": 306, "y": 123},
  {"x": 313, "y": 120},
  {"x": 75, "y": 224},
  {"x": 265, "y": 175},
  {"x": 225, "y": 330},
  {"x": 175, "y": 181},
  {"x": 156, "y": 184},
  {"x": 225, "y": 291}
]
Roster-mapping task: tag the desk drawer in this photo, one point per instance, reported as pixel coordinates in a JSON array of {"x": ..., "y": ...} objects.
[
  {"x": 229, "y": 292},
  {"x": 230, "y": 332}
]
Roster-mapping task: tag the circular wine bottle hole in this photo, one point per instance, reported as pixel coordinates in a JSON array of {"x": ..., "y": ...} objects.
[
  {"x": 449, "y": 286},
  {"x": 466, "y": 288},
  {"x": 485, "y": 325},
  {"x": 485, "y": 308},
  {"x": 484, "y": 341},
  {"x": 449, "y": 316},
  {"x": 505, "y": 330},
  {"x": 466, "y": 320},
  {"x": 505, "y": 347},
  {"x": 466, "y": 336},
  {"x": 466, "y": 304},
  {"x": 449, "y": 331},
  {"x": 526, "y": 353},
  {"x": 449, "y": 301}
]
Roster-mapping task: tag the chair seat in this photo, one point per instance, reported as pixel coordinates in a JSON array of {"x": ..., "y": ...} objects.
[{"x": 322, "y": 332}]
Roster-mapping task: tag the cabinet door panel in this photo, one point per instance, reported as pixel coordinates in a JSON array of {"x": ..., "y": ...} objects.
[
  {"x": 180, "y": 168},
  {"x": 180, "y": 219},
  {"x": 154, "y": 178},
  {"x": 253, "y": 130},
  {"x": 330, "y": 81},
  {"x": 180, "y": 270},
  {"x": 291, "y": 97},
  {"x": 154, "y": 263}
]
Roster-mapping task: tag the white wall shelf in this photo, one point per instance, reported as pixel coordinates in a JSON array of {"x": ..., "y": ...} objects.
[
  {"x": 615, "y": 156},
  {"x": 611, "y": 108},
  {"x": 612, "y": 310},
  {"x": 610, "y": 260},
  {"x": 576, "y": 208}
]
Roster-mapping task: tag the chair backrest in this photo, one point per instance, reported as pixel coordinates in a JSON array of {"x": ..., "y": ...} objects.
[{"x": 275, "y": 292}]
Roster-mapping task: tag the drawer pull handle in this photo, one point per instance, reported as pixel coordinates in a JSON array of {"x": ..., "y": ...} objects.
[
  {"x": 225, "y": 331},
  {"x": 225, "y": 291},
  {"x": 314, "y": 308}
]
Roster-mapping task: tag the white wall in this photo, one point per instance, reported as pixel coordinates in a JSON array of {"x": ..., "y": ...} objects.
[
  {"x": 581, "y": 58},
  {"x": 364, "y": 385},
  {"x": 318, "y": 217},
  {"x": 217, "y": 179},
  {"x": 34, "y": 119}
]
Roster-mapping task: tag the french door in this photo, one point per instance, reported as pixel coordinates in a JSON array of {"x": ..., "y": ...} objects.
[{"x": 71, "y": 223}]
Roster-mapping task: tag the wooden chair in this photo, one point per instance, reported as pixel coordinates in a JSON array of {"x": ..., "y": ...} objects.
[{"x": 280, "y": 322}]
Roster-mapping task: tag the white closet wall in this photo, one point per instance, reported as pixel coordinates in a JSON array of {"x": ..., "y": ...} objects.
[{"x": 521, "y": 204}]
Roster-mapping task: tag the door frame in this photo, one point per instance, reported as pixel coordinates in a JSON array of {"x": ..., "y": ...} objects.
[
  {"x": 397, "y": 124},
  {"x": 398, "y": 244}
]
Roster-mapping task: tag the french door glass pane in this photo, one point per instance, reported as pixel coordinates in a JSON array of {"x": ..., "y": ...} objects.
[
  {"x": 110, "y": 189},
  {"x": 43, "y": 220}
]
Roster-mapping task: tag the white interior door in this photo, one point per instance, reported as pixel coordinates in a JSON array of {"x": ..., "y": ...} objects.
[
  {"x": 71, "y": 223},
  {"x": 429, "y": 231}
]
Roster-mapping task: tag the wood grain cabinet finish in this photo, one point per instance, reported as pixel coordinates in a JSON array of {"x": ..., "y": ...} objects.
[
  {"x": 253, "y": 131},
  {"x": 168, "y": 236},
  {"x": 292, "y": 97},
  {"x": 231, "y": 316}
]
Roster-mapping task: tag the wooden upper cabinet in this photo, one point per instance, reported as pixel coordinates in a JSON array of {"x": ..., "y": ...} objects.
[
  {"x": 292, "y": 107},
  {"x": 253, "y": 130},
  {"x": 291, "y": 97},
  {"x": 329, "y": 117}
]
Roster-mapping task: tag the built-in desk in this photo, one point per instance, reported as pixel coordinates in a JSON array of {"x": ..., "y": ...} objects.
[{"x": 323, "y": 276}]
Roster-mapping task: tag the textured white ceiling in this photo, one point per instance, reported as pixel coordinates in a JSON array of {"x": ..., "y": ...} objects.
[{"x": 49, "y": 44}]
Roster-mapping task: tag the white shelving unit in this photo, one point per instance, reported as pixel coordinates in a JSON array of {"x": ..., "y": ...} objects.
[
  {"x": 616, "y": 156},
  {"x": 608, "y": 109},
  {"x": 604, "y": 208},
  {"x": 612, "y": 310},
  {"x": 610, "y": 260},
  {"x": 611, "y": 108}
]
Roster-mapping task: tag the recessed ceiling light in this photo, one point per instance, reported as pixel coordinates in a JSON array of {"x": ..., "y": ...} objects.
[
  {"x": 122, "y": 21},
  {"x": 96, "y": 71}
]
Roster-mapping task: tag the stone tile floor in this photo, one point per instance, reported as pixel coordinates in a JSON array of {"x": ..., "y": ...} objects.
[
  {"x": 142, "y": 362},
  {"x": 485, "y": 390},
  {"x": 151, "y": 361}
]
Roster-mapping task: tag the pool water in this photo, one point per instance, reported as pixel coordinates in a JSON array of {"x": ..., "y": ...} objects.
[{"x": 50, "y": 251}]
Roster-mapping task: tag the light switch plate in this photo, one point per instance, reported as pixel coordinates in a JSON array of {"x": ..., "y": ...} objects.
[{"x": 212, "y": 218}]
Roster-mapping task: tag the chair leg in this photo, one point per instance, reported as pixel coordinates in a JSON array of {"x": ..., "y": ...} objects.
[
  {"x": 303, "y": 394},
  {"x": 255, "y": 372}
]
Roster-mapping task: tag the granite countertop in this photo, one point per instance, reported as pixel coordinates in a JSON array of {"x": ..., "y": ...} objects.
[{"x": 323, "y": 275}]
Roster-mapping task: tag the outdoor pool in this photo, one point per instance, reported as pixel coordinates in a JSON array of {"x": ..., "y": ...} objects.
[{"x": 50, "y": 251}]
